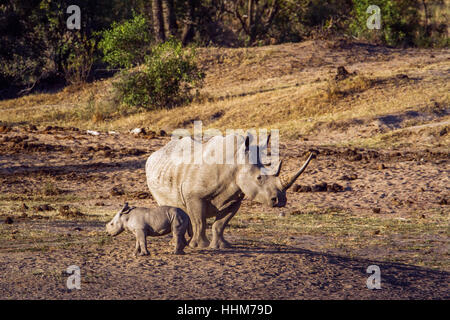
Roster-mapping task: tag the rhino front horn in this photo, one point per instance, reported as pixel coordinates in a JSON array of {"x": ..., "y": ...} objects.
[{"x": 288, "y": 181}]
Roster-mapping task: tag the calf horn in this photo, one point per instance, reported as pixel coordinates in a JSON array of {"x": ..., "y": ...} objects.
[{"x": 288, "y": 181}]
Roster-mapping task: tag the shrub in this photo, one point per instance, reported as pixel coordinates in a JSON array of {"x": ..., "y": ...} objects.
[
  {"x": 126, "y": 44},
  {"x": 165, "y": 79},
  {"x": 78, "y": 64}
]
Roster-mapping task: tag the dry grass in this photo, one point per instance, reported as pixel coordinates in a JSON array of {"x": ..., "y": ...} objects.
[{"x": 433, "y": 135}]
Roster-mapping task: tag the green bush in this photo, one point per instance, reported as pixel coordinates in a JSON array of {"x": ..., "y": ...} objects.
[
  {"x": 80, "y": 59},
  {"x": 126, "y": 44},
  {"x": 165, "y": 79},
  {"x": 399, "y": 21},
  {"x": 302, "y": 19}
]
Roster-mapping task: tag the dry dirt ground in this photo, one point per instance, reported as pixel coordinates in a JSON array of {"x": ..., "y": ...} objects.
[{"x": 58, "y": 187}]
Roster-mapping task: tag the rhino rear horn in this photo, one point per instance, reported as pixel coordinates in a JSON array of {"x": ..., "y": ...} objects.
[{"x": 288, "y": 181}]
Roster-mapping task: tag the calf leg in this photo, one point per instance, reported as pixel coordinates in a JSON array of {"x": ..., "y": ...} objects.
[
  {"x": 180, "y": 243},
  {"x": 141, "y": 243},
  {"x": 189, "y": 232},
  {"x": 137, "y": 248},
  {"x": 179, "y": 226}
]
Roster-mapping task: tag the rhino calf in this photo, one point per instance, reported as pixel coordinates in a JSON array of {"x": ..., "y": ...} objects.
[{"x": 159, "y": 221}]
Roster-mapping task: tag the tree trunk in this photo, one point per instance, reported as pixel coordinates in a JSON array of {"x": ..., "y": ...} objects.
[
  {"x": 158, "y": 22},
  {"x": 250, "y": 22},
  {"x": 427, "y": 28},
  {"x": 170, "y": 20},
  {"x": 188, "y": 30}
]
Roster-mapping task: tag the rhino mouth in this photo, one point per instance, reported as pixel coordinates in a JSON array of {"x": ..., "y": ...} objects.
[
  {"x": 279, "y": 201},
  {"x": 280, "y": 205},
  {"x": 113, "y": 234},
  {"x": 110, "y": 230}
]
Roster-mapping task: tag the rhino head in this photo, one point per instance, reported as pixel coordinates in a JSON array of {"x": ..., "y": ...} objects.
[
  {"x": 266, "y": 189},
  {"x": 116, "y": 225}
]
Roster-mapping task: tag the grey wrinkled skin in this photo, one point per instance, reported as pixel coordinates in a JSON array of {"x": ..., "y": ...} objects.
[
  {"x": 213, "y": 190},
  {"x": 153, "y": 222}
]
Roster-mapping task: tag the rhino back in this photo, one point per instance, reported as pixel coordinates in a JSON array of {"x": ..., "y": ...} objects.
[
  {"x": 169, "y": 181},
  {"x": 155, "y": 221},
  {"x": 161, "y": 175}
]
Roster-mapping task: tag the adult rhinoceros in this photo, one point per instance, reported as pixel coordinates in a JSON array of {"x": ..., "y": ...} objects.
[{"x": 213, "y": 188}]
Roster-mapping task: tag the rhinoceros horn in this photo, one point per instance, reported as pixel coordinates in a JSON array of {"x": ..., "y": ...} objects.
[{"x": 288, "y": 181}]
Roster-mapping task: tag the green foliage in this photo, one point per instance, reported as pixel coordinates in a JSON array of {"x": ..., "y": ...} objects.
[
  {"x": 37, "y": 48},
  {"x": 297, "y": 20},
  {"x": 20, "y": 42},
  {"x": 78, "y": 64},
  {"x": 399, "y": 21},
  {"x": 165, "y": 79},
  {"x": 126, "y": 44},
  {"x": 35, "y": 42}
]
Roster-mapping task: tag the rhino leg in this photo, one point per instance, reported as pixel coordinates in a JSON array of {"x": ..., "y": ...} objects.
[
  {"x": 141, "y": 243},
  {"x": 189, "y": 233},
  {"x": 180, "y": 243},
  {"x": 218, "y": 227},
  {"x": 173, "y": 242},
  {"x": 136, "y": 250},
  {"x": 179, "y": 226},
  {"x": 197, "y": 214}
]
